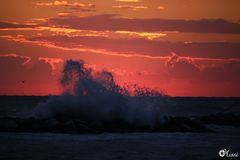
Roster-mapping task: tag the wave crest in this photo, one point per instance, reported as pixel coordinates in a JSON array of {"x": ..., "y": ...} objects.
[{"x": 95, "y": 97}]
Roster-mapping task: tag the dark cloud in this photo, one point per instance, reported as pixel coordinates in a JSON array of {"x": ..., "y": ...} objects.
[
  {"x": 181, "y": 68},
  {"x": 112, "y": 23},
  {"x": 149, "y": 47},
  {"x": 14, "y": 69},
  {"x": 188, "y": 70},
  {"x": 228, "y": 72},
  {"x": 13, "y": 25}
]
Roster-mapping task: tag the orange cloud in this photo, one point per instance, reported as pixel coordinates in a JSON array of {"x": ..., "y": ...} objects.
[
  {"x": 148, "y": 35},
  {"x": 64, "y": 14},
  {"x": 61, "y": 3},
  {"x": 127, "y": 0},
  {"x": 78, "y": 32},
  {"x": 130, "y": 7},
  {"x": 44, "y": 4},
  {"x": 22, "y": 39},
  {"x": 161, "y": 7},
  {"x": 51, "y": 61},
  {"x": 140, "y": 46},
  {"x": 129, "y": 54},
  {"x": 26, "y": 58},
  {"x": 70, "y": 5}
]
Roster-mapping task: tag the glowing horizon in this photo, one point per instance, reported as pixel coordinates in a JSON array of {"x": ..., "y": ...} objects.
[{"x": 183, "y": 48}]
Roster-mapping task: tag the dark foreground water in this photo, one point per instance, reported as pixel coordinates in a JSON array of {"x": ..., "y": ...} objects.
[{"x": 128, "y": 146}]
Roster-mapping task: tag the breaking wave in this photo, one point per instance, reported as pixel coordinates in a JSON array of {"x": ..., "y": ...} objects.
[{"x": 95, "y": 97}]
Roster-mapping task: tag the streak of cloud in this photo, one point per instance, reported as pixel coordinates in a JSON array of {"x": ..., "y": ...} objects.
[
  {"x": 161, "y": 7},
  {"x": 70, "y": 5},
  {"x": 26, "y": 59},
  {"x": 127, "y": 0},
  {"x": 113, "y": 23},
  {"x": 52, "y": 61},
  {"x": 130, "y": 7}
]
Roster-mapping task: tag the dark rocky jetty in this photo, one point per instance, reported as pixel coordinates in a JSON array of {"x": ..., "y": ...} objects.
[{"x": 61, "y": 125}]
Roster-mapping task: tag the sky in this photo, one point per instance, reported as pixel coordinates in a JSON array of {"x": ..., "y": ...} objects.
[{"x": 181, "y": 47}]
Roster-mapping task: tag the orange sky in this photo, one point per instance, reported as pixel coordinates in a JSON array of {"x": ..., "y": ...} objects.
[{"x": 185, "y": 48}]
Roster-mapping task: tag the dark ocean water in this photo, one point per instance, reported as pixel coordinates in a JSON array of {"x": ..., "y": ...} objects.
[
  {"x": 183, "y": 106},
  {"x": 127, "y": 146}
]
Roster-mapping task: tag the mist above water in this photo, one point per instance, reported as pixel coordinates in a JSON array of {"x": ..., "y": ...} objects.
[{"x": 94, "y": 96}]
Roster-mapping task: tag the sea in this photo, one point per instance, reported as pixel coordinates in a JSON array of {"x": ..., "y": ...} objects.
[{"x": 223, "y": 143}]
